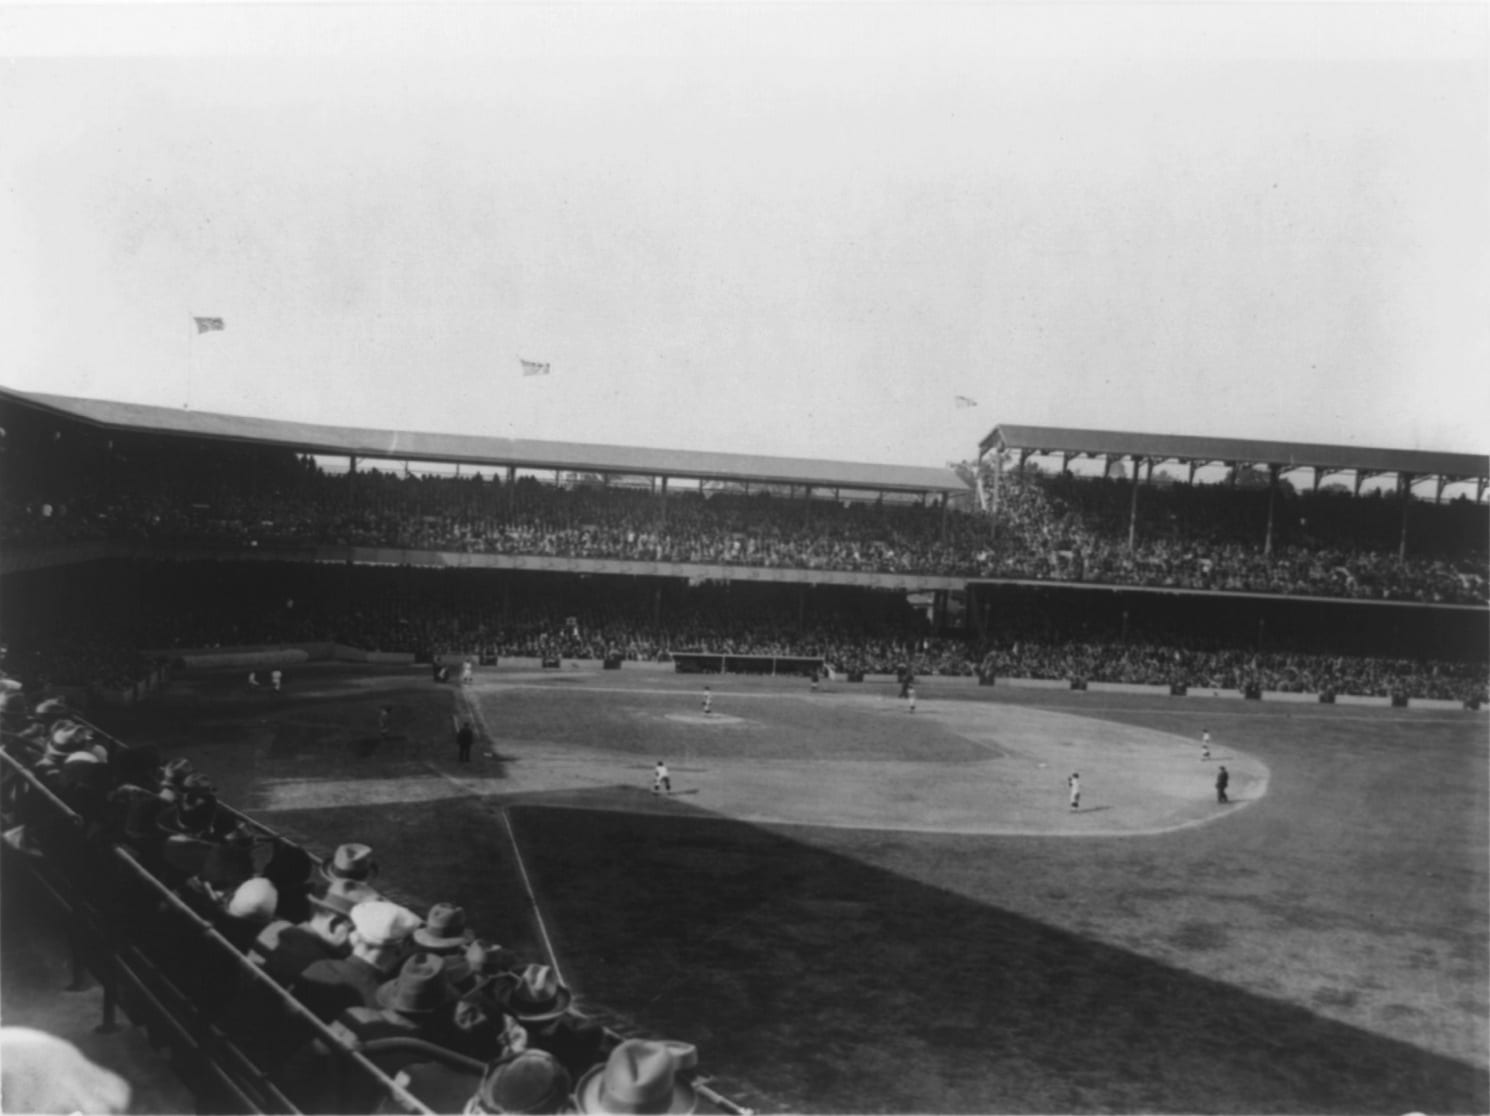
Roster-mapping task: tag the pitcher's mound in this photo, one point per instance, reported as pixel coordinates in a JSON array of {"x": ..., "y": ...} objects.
[{"x": 705, "y": 719}]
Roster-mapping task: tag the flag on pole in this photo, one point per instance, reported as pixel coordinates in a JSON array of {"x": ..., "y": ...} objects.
[
  {"x": 207, "y": 325},
  {"x": 964, "y": 401},
  {"x": 533, "y": 368}
]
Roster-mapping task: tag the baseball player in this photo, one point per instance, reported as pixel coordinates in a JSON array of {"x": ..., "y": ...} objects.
[
  {"x": 708, "y": 702},
  {"x": 1205, "y": 744},
  {"x": 1074, "y": 782},
  {"x": 661, "y": 782}
]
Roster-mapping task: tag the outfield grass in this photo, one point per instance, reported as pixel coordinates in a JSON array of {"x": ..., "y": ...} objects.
[{"x": 1322, "y": 950}]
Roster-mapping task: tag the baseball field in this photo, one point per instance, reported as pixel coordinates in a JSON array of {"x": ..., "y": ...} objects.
[{"x": 852, "y": 907}]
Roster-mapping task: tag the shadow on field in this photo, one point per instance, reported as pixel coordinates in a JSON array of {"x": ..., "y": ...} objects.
[{"x": 812, "y": 982}]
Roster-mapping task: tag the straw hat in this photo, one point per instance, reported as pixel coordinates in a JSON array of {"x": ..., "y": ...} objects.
[{"x": 532, "y": 1081}]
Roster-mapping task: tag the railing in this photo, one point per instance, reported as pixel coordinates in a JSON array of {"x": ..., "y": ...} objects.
[{"x": 108, "y": 896}]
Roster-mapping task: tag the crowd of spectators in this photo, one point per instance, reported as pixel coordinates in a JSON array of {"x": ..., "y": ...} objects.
[
  {"x": 1060, "y": 528},
  {"x": 852, "y": 631},
  {"x": 463, "y": 1023},
  {"x": 1211, "y": 537}
]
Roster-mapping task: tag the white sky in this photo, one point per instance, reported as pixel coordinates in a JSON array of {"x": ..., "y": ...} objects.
[{"x": 759, "y": 227}]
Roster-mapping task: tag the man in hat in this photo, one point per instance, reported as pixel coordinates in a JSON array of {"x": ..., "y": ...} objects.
[
  {"x": 380, "y": 935},
  {"x": 351, "y": 862},
  {"x": 418, "y": 1003},
  {"x": 536, "y": 999},
  {"x": 286, "y": 950},
  {"x": 530, "y": 1081},
  {"x": 640, "y": 1075},
  {"x": 444, "y": 933}
]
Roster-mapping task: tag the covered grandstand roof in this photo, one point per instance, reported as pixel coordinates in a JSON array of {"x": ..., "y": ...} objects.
[
  {"x": 479, "y": 450},
  {"x": 1183, "y": 447}
]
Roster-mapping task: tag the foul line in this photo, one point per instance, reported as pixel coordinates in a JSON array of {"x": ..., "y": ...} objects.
[{"x": 548, "y": 946}]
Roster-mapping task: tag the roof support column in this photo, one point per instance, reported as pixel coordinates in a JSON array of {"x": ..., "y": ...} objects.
[
  {"x": 993, "y": 510},
  {"x": 511, "y": 489},
  {"x": 662, "y": 503},
  {"x": 1318, "y": 472},
  {"x": 1267, "y": 542},
  {"x": 1065, "y": 464},
  {"x": 1404, "y": 490},
  {"x": 1133, "y": 505},
  {"x": 806, "y": 504},
  {"x": 1438, "y": 489},
  {"x": 1479, "y": 490}
]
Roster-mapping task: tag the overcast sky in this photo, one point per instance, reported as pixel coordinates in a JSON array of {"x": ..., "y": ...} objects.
[{"x": 759, "y": 227}]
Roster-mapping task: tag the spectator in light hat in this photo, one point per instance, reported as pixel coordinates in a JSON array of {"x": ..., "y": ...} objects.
[
  {"x": 286, "y": 949},
  {"x": 640, "y": 1075},
  {"x": 351, "y": 862},
  {"x": 380, "y": 932}
]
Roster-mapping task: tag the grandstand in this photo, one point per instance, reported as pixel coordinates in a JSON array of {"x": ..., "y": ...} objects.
[{"x": 152, "y": 558}]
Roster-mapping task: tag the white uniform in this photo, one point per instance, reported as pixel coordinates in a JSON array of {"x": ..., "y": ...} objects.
[
  {"x": 708, "y": 702},
  {"x": 275, "y": 678},
  {"x": 660, "y": 780},
  {"x": 1205, "y": 744},
  {"x": 1074, "y": 782},
  {"x": 465, "y": 672},
  {"x": 910, "y": 698}
]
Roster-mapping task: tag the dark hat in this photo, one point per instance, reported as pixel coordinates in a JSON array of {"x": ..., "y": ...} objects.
[
  {"x": 639, "y": 1076},
  {"x": 479, "y": 963},
  {"x": 288, "y": 865},
  {"x": 140, "y": 816},
  {"x": 536, "y": 995},
  {"x": 350, "y": 862},
  {"x": 419, "y": 989},
  {"x": 227, "y": 866},
  {"x": 342, "y": 895},
  {"x": 193, "y": 813},
  {"x": 532, "y": 1081},
  {"x": 444, "y": 929}
]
